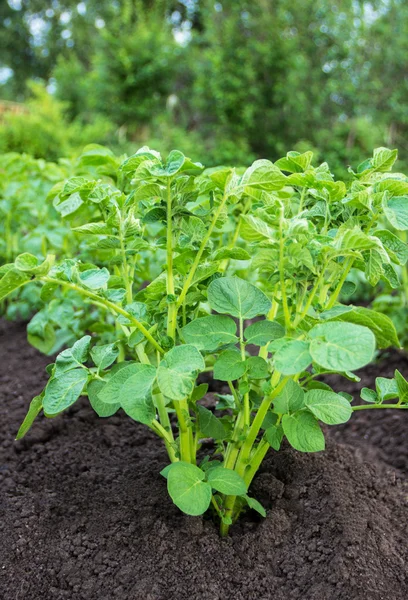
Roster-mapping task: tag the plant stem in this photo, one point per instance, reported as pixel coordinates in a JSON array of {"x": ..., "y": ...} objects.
[
  {"x": 256, "y": 461},
  {"x": 282, "y": 274},
  {"x": 347, "y": 267},
  {"x": 181, "y": 408},
  {"x": 172, "y": 312},
  {"x": 311, "y": 297},
  {"x": 199, "y": 254},
  {"x": 245, "y": 452},
  {"x": 247, "y": 415},
  {"x": 371, "y": 406},
  {"x": 125, "y": 269},
  {"x": 109, "y": 305}
]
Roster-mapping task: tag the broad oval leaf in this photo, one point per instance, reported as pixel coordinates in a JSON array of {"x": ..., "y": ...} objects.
[
  {"x": 290, "y": 399},
  {"x": 11, "y": 281},
  {"x": 227, "y": 481},
  {"x": 262, "y": 332},
  {"x": 33, "y": 410},
  {"x": 209, "y": 333},
  {"x": 303, "y": 432},
  {"x": 102, "y": 409},
  {"x": 381, "y": 325},
  {"x": 187, "y": 488},
  {"x": 237, "y": 297},
  {"x": 396, "y": 211},
  {"x": 341, "y": 346},
  {"x": 64, "y": 390},
  {"x": 229, "y": 366},
  {"x": 178, "y": 371},
  {"x": 94, "y": 279},
  {"x": 292, "y": 357},
  {"x": 329, "y": 407},
  {"x": 209, "y": 425},
  {"x": 134, "y": 380}
]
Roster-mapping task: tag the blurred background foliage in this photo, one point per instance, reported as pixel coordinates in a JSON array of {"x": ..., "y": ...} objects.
[{"x": 230, "y": 80}]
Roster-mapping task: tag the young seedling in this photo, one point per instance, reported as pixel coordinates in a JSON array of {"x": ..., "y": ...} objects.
[{"x": 245, "y": 276}]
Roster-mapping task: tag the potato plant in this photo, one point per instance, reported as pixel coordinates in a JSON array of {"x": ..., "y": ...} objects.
[{"x": 236, "y": 275}]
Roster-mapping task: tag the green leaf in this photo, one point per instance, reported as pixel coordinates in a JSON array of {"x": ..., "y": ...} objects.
[
  {"x": 341, "y": 346},
  {"x": 231, "y": 254},
  {"x": 47, "y": 291},
  {"x": 303, "y": 432},
  {"x": 255, "y": 505},
  {"x": 237, "y": 297},
  {"x": 187, "y": 488},
  {"x": 373, "y": 266},
  {"x": 104, "y": 356},
  {"x": 227, "y": 481},
  {"x": 264, "y": 175},
  {"x": 294, "y": 162},
  {"x": 255, "y": 229},
  {"x": 33, "y": 410},
  {"x": 135, "y": 380},
  {"x": 381, "y": 325},
  {"x": 64, "y": 390},
  {"x": 402, "y": 385},
  {"x": 328, "y": 407},
  {"x": 178, "y": 371},
  {"x": 71, "y": 358},
  {"x": 102, "y": 409},
  {"x": 70, "y": 205},
  {"x": 229, "y": 366},
  {"x": 396, "y": 248},
  {"x": 44, "y": 341},
  {"x": 209, "y": 425},
  {"x": 95, "y": 279},
  {"x": 30, "y": 264},
  {"x": 387, "y": 389},
  {"x": 292, "y": 357},
  {"x": 396, "y": 211},
  {"x": 383, "y": 159},
  {"x": 98, "y": 228},
  {"x": 368, "y": 395},
  {"x": 209, "y": 333},
  {"x": 290, "y": 399},
  {"x": 199, "y": 392},
  {"x": 11, "y": 281},
  {"x": 257, "y": 367},
  {"x": 262, "y": 332},
  {"x": 274, "y": 436}
]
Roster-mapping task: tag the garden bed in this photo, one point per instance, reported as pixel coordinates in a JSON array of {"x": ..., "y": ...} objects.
[{"x": 86, "y": 515}]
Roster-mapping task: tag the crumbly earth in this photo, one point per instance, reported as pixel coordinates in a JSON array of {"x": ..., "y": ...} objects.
[{"x": 85, "y": 514}]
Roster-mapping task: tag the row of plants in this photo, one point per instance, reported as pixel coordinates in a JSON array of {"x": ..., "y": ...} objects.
[{"x": 237, "y": 274}]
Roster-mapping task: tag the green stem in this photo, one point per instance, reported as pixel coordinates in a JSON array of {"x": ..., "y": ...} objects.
[
  {"x": 245, "y": 452},
  {"x": 256, "y": 461},
  {"x": 247, "y": 415},
  {"x": 229, "y": 506},
  {"x": 125, "y": 269},
  {"x": 181, "y": 408},
  {"x": 347, "y": 268},
  {"x": 312, "y": 295},
  {"x": 282, "y": 274},
  {"x": 199, "y": 254},
  {"x": 172, "y": 312},
  {"x": 371, "y": 406},
  {"x": 108, "y": 304}
]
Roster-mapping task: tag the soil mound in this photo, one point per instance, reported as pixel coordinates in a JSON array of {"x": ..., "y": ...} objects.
[{"x": 84, "y": 513}]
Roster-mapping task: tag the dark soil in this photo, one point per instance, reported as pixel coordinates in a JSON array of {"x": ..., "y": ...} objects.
[{"x": 85, "y": 513}]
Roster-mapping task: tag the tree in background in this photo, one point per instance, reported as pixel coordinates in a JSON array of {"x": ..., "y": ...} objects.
[{"x": 234, "y": 79}]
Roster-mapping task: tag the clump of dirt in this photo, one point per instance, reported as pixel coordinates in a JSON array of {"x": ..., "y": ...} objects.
[{"x": 85, "y": 514}]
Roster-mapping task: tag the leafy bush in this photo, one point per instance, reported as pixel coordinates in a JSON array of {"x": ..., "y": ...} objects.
[{"x": 244, "y": 274}]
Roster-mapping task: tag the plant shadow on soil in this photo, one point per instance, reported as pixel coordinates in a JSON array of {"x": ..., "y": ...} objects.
[{"x": 85, "y": 513}]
